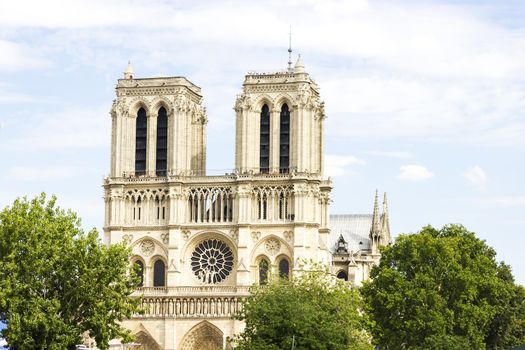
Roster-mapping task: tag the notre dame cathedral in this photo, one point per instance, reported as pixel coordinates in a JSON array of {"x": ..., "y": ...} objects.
[{"x": 201, "y": 241}]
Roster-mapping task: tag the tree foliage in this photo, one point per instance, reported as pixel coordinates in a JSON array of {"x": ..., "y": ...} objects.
[
  {"x": 57, "y": 282},
  {"x": 314, "y": 311},
  {"x": 443, "y": 289}
]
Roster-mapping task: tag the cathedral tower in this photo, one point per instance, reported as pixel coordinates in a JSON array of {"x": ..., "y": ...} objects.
[
  {"x": 158, "y": 127},
  {"x": 279, "y": 123}
]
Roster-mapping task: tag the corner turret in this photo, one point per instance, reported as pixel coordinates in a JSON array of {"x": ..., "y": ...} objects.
[{"x": 128, "y": 73}]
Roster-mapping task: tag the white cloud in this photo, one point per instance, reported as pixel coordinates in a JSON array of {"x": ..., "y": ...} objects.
[
  {"x": 500, "y": 201},
  {"x": 390, "y": 154},
  {"x": 336, "y": 165},
  {"x": 45, "y": 173},
  {"x": 17, "y": 57},
  {"x": 413, "y": 172},
  {"x": 73, "y": 127},
  {"x": 81, "y": 13},
  {"x": 3, "y": 342},
  {"x": 8, "y": 96},
  {"x": 476, "y": 177},
  {"x": 462, "y": 82}
]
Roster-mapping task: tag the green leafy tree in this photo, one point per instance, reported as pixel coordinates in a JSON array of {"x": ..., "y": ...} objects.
[
  {"x": 57, "y": 282},
  {"x": 443, "y": 289},
  {"x": 312, "y": 311}
]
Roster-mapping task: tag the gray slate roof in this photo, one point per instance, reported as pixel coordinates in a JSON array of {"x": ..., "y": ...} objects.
[{"x": 355, "y": 228}]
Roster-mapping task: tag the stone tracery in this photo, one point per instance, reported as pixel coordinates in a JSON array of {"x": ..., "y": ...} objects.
[{"x": 212, "y": 261}]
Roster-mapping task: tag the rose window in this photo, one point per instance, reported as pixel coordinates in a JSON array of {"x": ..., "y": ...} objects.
[{"x": 212, "y": 261}]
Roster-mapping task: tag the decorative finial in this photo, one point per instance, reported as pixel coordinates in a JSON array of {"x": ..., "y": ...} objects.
[
  {"x": 385, "y": 223},
  {"x": 290, "y": 70},
  {"x": 299, "y": 65},
  {"x": 128, "y": 73}
]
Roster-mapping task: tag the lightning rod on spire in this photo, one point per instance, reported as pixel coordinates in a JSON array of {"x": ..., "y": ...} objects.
[{"x": 290, "y": 51}]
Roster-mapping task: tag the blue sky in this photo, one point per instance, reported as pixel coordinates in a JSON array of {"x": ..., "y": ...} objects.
[{"x": 425, "y": 99}]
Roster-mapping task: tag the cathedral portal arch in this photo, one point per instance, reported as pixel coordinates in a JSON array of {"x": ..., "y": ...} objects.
[{"x": 203, "y": 336}]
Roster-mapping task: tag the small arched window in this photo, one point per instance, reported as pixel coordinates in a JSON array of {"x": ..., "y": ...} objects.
[
  {"x": 141, "y": 133},
  {"x": 159, "y": 274},
  {"x": 162, "y": 142},
  {"x": 284, "y": 140},
  {"x": 140, "y": 272},
  {"x": 263, "y": 271},
  {"x": 264, "y": 163},
  {"x": 284, "y": 268},
  {"x": 342, "y": 275}
]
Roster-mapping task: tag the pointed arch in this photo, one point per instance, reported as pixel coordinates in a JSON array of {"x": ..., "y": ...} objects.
[
  {"x": 259, "y": 250},
  {"x": 136, "y": 104},
  {"x": 263, "y": 100},
  {"x": 282, "y": 99},
  {"x": 160, "y": 249},
  {"x": 162, "y": 101},
  {"x": 203, "y": 336},
  {"x": 144, "y": 338}
]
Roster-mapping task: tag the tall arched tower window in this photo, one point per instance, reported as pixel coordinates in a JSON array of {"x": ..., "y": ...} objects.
[
  {"x": 162, "y": 142},
  {"x": 141, "y": 142},
  {"x": 265, "y": 140},
  {"x": 159, "y": 274},
  {"x": 140, "y": 272},
  {"x": 284, "y": 140}
]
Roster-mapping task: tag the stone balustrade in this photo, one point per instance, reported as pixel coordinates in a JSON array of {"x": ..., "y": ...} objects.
[
  {"x": 192, "y": 290},
  {"x": 190, "y": 307}
]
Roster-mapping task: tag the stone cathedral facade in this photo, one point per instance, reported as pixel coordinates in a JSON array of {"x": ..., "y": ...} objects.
[{"x": 201, "y": 241}]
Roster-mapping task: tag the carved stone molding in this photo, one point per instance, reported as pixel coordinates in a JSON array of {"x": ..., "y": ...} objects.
[
  {"x": 147, "y": 247},
  {"x": 127, "y": 238},
  {"x": 234, "y": 234},
  {"x": 288, "y": 235},
  {"x": 256, "y": 236},
  {"x": 272, "y": 246},
  {"x": 186, "y": 234}
]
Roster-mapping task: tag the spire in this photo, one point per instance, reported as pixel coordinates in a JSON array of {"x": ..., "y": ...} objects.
[
  {"x": 376, "y": 224},
  {"x": 385, "y": 223},
  {"x": 290, "y": 70},
  {"x": 128, "y": 73},
  {"x": 299, "y": 65},
  {"x": 375, "y": 229}
]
